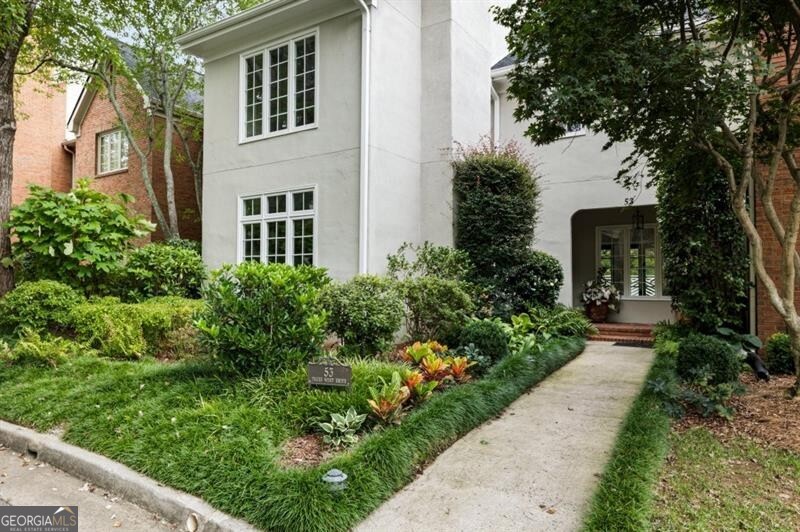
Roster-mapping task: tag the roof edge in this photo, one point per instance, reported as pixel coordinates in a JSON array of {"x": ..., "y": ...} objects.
[{"x": 261, "y": 11}]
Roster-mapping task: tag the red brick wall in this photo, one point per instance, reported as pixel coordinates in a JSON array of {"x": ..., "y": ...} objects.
[
  {"x": 767, "y": 319},
  {"x": 100, "y": 118},
  {"x": 39, "y": 157}
]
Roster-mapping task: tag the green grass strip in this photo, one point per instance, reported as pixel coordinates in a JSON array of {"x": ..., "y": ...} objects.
[
  {"x": 188, "y": 427},
  {"x": 624, "y": 499}
]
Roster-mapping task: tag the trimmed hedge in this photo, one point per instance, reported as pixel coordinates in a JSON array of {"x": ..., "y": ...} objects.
[
  {"x": 719, "y": 358},
  {"x": 387, "y": 460},
  {"x": 161, "y": 269},
  {"x": 130, "y": 330},
  {"x": 488, "y": 336},
  {"x": 38, "y": 305}
]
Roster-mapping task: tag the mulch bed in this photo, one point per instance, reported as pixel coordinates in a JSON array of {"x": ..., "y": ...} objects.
[
  {"x": 765, "y": 414},
  {"x": 305, "y": 451}
]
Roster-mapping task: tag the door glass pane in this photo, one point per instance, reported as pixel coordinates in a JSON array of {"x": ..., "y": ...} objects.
[
  {"x": 642, "y": 255},
  {"x": 612, "y": 257}
]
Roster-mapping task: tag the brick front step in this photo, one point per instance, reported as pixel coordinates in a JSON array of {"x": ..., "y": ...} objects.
[{"x": 638, "y": 333}]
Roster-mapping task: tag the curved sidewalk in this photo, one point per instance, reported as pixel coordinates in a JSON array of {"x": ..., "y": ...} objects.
[{"x": 537, "y": 466}]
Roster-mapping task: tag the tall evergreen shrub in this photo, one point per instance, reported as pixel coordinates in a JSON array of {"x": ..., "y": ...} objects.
[
  {"x": 497, "y": 207},
  {"x": 703, "y": 247}
]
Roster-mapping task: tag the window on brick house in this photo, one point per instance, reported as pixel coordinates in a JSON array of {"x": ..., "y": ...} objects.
[
  {"x": 279, "y": 88},
  {"x": 112, "y": 152},
  {"x": 278, "y": 227}
]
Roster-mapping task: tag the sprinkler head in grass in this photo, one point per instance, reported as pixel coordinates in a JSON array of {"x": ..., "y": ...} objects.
[{"x": 335, "y": 480}]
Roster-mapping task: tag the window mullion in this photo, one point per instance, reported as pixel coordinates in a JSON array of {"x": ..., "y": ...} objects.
[{"x": 290, "y": 88}]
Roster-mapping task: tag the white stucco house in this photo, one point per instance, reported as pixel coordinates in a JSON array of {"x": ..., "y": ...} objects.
[{"x": 329, "y": 129}]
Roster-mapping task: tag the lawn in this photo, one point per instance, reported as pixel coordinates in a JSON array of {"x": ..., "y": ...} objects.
[
  {"x": 707, "y": 484},
  {"x": 192, "y": 428}
]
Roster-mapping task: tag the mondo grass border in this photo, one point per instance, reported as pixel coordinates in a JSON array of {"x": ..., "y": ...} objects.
[
  {"x": 388, "y": 459},
  {"x": 624, "y": 499}
]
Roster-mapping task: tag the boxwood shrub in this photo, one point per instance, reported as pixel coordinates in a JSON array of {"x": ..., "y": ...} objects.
[
  {"x": 37, "y": 305},
  {"x": 719, "y": 358},
  {"x": 264, "y": 317},
  {"x": 436, "y": 308},
  {"x": 489, "y": 337},
  {"x": 779, "y": 354}
]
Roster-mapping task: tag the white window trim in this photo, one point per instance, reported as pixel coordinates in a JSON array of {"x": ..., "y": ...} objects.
[
  {"x": 289, "y": 215},
  {"x": 582, "y": 132},
  {"x": 99, "y": 152},
  {"x": 626, "y": 268},
  {"x": 242, "y": 101}
]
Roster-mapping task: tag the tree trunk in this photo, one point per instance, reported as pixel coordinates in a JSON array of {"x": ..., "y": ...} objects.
[
  {"x": 8, "y": 129},
  {"x": 169, "y": 133},
  {"x": 794, "y": 335}
]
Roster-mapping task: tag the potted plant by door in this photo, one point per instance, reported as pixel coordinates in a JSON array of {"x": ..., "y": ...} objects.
[{"x": 599, "y": 296}]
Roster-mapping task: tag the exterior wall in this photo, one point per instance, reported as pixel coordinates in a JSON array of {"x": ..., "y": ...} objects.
[
  {"x": 458, "y": 49},
  {"x": 39, "y": 158},
  {"x": 326, "y": 156},
  {"x": 574, "y": 174},
  {"x": 395, "y": 141},
  {"x": 767, "y": 319},
  {"x": 101, "y": 117}
]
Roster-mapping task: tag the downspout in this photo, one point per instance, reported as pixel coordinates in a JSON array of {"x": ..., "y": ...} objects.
[
  {"x": 495, "y": 116},
  {"x": 363, "y": 186}
]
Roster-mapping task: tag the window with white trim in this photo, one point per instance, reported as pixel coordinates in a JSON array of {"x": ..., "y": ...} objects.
[
  {"x": 280, "y": 88},
  {"x": 112, "y": 151},
  {"x": 574, "y": 130},
  {"x": 631, "y": 258},
  {"x": 278, "y": 227}
]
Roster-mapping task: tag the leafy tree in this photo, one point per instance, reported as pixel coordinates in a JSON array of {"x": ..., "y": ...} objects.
[
  {"x": 669, "y": 75},
  {"x": 154, "y": 70},
  {"x": 77, "y": 238},
  {"x": 32, "y": 32}
]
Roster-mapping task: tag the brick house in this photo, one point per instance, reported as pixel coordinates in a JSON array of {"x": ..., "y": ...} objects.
[
  {"x": 102, "y": 154},
  {"x": 39, "y": 156}
]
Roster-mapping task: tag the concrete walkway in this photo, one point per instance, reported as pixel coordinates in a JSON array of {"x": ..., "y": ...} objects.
[
  {"x": 28, "y": 482},
  {"x": 534, "y": 468}
]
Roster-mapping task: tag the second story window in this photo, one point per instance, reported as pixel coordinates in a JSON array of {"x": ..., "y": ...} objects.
[
  {"x": 279, "y": 88},
  {"x": 112, "y": 152}
]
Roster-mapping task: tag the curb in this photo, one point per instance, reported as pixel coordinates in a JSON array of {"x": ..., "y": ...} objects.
[{"x": 172, "y": 505}]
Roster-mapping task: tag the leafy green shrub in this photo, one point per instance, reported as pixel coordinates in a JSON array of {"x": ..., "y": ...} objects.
[
  {"x": 779, "y": 354},
  {"x": 387, "y": 400},
  {"x": 699, "y": 354},
  {"x": 161, "y": 270},
  {"x": 429, "y": 260},
  {"x": 435, "y": 308},
  {"x": 364, "y": 312},
  {"x": 33, "y": 349},
  {"x": 706, "y": 259},
  {"x": 38, "y": 305},
  {"x": 131, "y": 330},
  {"x": 561, "y": 321},
  {"x": 185, "y": 243},
  {"x": 77, "y": 237},
  {"x": 489, "y": 337},
  {"x": 264, "y": 316},
  {"x": 535, "y": 280}
]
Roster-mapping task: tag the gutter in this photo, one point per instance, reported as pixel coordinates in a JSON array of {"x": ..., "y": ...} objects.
[{"x": 363, "y": 185}]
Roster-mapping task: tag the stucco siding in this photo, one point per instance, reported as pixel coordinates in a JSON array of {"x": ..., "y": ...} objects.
[{"x": 326, "y": 157}]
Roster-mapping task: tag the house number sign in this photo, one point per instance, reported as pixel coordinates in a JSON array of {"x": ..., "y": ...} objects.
[{"x": 328, "y": 372}]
